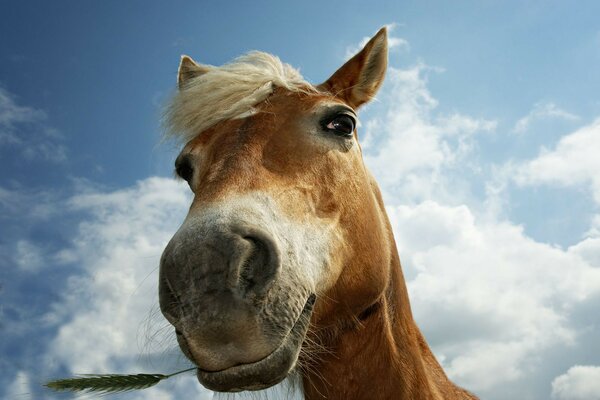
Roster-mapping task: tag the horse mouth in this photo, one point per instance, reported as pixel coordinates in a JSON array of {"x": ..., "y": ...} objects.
[{"x": 268, "y": 371}]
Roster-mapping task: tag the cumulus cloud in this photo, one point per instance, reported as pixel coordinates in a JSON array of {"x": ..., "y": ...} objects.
[
  {"x": 542, "y": 111},
  {"x": 573, "y": 161},
  {"x": 588, "y": 249},
  {"x": 581, "y": 382},
  {"x": 108, "y": 320},
  {"x": 118, "y": 248},
  {"x": 489, "y": 299},
  {"x": 408, "y": 146}
]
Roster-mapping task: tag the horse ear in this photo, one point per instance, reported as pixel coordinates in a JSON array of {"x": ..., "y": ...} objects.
[
  {"x": 189, "y": 69},
  {"x": 358, "y": 80}
]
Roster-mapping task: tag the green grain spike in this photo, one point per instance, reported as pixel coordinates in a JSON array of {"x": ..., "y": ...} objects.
[{"x": 110, "y": 383}]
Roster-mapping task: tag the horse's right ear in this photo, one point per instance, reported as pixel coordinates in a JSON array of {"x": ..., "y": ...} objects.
[
  {"x": 189, "y": 69},
  {"x": 357, "y": 81}
]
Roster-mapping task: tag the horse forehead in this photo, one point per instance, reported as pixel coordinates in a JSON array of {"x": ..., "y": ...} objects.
[
  {"x": 297, "y": 103},
  {"x": 291, "y": 111},
  {"x": 280, "y": 108}
]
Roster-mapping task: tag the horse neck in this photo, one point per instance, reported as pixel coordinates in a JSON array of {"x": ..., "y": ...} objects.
[{"x": 383, "y": 357}]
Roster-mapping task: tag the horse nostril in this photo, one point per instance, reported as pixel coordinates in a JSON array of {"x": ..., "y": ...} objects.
[{"x": 259, "y": 269}]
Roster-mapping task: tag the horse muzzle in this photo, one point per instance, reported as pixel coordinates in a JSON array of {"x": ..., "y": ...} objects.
[{"x": 235, "y": 318}]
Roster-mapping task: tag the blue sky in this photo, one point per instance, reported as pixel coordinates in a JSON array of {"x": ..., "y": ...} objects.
[{"x": 484, "y": 139}]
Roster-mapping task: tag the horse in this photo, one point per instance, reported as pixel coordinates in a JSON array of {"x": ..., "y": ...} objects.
[{"x": 286, "y": 262}]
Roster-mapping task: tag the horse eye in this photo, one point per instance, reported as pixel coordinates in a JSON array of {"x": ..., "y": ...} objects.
[
  {"x": 183, "y": 168},
  {"x": 341, "y": 125}
]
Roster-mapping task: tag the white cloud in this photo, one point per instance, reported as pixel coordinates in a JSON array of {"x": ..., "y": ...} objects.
[
  {"x": 28, "y": 204},
  {"x": 542, "y": 111},
  {"x": 20, "y": 388},
  {"x": 594, "y": 230},
  {"x": 108, "y": 318},
  {"x": 37, "y": 141},
  {"x": 490, "y": 298},
  {"x": 588, "y": 249},
  {"x": 394, "y": 42},
  {"x": 574, "y": 161},
  {"x": 12, "y": 114},
  {"x": 408, "y": 147},
  {"x": 581, "y": 382}
]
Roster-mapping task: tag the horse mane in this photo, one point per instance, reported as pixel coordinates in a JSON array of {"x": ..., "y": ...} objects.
[{"x": 229, "y": 91}]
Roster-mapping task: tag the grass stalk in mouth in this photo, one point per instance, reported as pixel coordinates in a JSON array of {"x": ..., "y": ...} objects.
[{"x": 109, "y": 383}]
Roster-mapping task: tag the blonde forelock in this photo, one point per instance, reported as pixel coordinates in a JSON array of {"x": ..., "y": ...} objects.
[{"x": 227, "y": 92}]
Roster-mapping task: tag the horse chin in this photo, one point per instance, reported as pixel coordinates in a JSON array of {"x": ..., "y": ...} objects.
[{"x": 270, "y": 370}]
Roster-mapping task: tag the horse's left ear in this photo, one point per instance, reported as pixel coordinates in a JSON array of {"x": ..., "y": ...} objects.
[
  {"x": 189, "y": 69},
  {"x": 358, "y": 80}
]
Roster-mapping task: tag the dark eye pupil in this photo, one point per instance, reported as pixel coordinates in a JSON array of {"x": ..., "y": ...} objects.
[
  {"x": 184, "y": 170},
  {"x": 342, "y": 124}
]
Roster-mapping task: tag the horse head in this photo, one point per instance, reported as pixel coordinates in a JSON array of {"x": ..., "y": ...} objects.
[{"x": 286, "y": 243}]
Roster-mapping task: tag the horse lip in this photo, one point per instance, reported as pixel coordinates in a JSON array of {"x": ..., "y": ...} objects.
[{"x": 268, "y": 371}]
